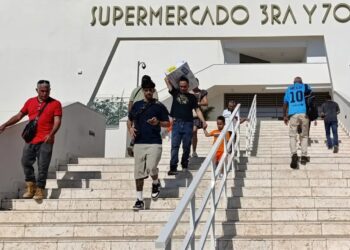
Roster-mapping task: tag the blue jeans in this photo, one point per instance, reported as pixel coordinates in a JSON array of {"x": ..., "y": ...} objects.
[
  {"x": 334, "y": 127},
  {"x": 182, "y": 132}
]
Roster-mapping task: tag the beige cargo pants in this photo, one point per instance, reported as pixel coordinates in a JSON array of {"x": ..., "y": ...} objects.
[{"x": 294, "y": 121}]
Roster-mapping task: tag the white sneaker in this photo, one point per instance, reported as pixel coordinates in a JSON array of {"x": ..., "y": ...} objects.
[{"x": 194, "y": 155}]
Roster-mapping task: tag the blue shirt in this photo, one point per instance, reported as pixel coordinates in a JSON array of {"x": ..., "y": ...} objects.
[
  {"x": 295, "y": 98},
  {"x": 140, "y": 112}
]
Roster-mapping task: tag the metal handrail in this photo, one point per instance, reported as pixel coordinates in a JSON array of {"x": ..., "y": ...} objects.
[
  {"x": 226, "y": 163},
  {"x": 250, "y": 127}
]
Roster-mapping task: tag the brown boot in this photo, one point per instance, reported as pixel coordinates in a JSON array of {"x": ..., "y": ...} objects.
[
  {"x": 30, "y": 190},
  {"x": 39, "y": 194}
]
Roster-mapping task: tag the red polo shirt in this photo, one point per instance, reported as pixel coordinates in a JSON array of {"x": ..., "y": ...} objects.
[{"x": 46, "y": 120}]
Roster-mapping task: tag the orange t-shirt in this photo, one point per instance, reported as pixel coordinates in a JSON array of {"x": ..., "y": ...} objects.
[{"x": 216, "y": 134}]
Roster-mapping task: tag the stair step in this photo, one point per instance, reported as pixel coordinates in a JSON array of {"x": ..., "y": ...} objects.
[
  {"x": 242, "y": 215},
  {"x": 253, "y": 179},
  {"x": 171, "y": 203},
  {"x": 253, "y": 228}
]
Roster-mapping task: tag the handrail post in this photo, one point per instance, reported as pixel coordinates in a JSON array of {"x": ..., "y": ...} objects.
[
  {"x": 213, "y": 209},
  {"x": 224, "y": 167},
  {"x": 168, "y": 245},
  {"x": 193, "y": 221}
]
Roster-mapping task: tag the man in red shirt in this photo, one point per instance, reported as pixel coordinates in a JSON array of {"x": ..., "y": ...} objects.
[{"x": 40, "y": 148}]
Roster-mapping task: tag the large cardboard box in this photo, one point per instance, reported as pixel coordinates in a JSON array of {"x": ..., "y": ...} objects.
[{"x": 182, "y": 69}]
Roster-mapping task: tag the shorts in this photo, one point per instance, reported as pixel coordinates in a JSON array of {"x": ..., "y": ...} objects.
[
  {"x": 197, "y": 122},
  {"x": 218, "y": 156},
  {"x": 147, "y": 157}
]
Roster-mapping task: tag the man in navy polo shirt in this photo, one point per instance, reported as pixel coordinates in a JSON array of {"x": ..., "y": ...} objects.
[
  {"x": 145, "y": 119},
  {"x": 294, "y": 102}
]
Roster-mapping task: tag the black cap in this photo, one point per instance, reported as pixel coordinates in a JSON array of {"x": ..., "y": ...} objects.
[{"x": 147, "y": 82}]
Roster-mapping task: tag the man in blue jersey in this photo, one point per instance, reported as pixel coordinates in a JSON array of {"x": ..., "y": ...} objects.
[{"x": 294, "y": 102}]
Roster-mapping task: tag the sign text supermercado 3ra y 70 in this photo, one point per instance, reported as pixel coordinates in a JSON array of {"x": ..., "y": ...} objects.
[{"x": 179, "y": 15}]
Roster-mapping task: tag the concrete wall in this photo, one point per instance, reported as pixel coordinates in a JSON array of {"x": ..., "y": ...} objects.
[
  {"x": 82, "y": 134},
  {"x": 263, "y": 74},
  {"x": 344, "y": 105},
  {"x": 117, "y": 139}
]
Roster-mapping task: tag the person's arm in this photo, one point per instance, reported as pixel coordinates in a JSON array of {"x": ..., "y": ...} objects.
[
  {"x": 56, "y": 125},
  {"x": 154, "y": 122},
  {"x": 337, "y": 108},
  {"x": 13, "y": 120},
  {"x": 201, "y": 117},
  {"x": 203, "y": 102},
  {"x": 308, "y": 90},
  {"x": 206, "y": 133},
  {"x": 285, "y": 116},
  {"x": 168, "y": 84},
  {"x": 131, "y": 129},
  {"x": 130, "y": 105},
  {"x": 243, "y": 120},
  {"x": 162, "y": 119}
]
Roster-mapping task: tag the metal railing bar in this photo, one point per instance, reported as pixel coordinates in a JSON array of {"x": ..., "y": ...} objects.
[
  {"x": 164, "y": 239},
  {"x": 187, "y": 240},
  {"x": 202, "y": 206},
  {"x": 206, "y": 231},
  {"x": 195, "y": 182},
  {"x": 221, "y": 188}
]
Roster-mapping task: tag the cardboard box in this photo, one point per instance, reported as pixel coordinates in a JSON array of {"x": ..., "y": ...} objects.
[{"x": 182, "y": 69}]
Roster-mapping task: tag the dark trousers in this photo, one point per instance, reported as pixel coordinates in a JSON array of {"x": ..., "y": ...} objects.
[
  {"x": 334, "y": 127},
  {"x": 42, "y": 153},
  {"x": 182, "y": 132}
]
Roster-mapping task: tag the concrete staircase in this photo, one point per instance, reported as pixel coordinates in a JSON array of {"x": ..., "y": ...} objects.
[
  {"x": 268, "y": 205},
  {"x": 281, "y": 208}
]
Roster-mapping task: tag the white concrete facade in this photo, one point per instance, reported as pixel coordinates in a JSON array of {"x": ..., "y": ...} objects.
[{"x": 79, "y": 44}]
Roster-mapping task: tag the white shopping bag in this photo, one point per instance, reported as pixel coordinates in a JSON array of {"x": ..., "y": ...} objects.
[{"x": 181, "y": 69}]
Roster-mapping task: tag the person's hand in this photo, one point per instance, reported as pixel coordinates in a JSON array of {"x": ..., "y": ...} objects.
[
  {"x": 285, "y": 119},
  {"x": 132, "y": 132},
  {"x": 153, "y": 121},
  {"x": 48, "y": 139},
  {"x": 205, "y": 125}
]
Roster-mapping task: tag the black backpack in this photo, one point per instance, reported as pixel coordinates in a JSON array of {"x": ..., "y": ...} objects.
[{"x": 311, "y": 108}]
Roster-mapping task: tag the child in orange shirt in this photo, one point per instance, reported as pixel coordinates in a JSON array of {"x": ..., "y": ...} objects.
[{"x": 220, "y": 122}]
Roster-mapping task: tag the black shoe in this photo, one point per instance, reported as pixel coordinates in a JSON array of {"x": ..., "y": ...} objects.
[
  {"x": 294, "y": 162},
  {"x": 304, "y": 160},
  {"x": 139, "y": 205},
  {"x": 173, "y": 172},
  {"x": 155, "y": 191},
  {"x": 336, "y": 149},
  {"x": 130, "y": 151}
]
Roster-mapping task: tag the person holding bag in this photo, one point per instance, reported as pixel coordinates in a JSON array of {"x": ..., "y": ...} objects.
[{"x": 45, "y": 115}]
